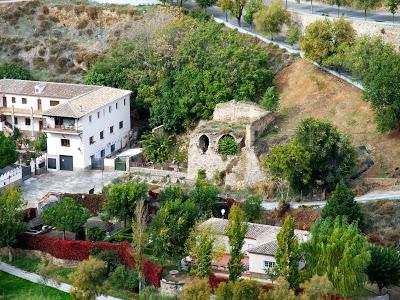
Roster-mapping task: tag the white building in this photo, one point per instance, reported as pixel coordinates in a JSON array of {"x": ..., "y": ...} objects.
[
  {"x": 260, "y": 244},
  {"x": 81, "y": 121}
]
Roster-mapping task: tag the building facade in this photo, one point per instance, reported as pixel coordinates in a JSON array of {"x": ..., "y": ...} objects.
[{"x": 81, "y": 122}]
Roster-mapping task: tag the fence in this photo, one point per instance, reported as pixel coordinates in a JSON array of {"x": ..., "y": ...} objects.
[{"x": 11, "y": 176}]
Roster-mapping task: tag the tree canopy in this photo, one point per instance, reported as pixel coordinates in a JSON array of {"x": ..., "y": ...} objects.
[
  {"x": 158, "y": 147},
  {"x": 14, "y": 71},
  {"x": 340, "y": 252},
  {"x": 318, "y": 156},
  {"x": 122, "y": 199},
  {"x": 8, "y": 153},
  {"x": 65, "y": 215},
  {"x": 271, "y": 18}
]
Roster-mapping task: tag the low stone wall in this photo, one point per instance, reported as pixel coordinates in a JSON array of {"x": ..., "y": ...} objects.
[
  {"x": 389, "y": 32},
  {"x": 172, "y": 289},
  {"x": 165, "y": 176},
  {"x": 42, "y": 255}
]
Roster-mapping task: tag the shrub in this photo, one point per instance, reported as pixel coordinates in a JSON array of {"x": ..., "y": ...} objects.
[
  {"x": 150, "y": 293},
  {"x": 270, "y": 100},
  {"x": 199, "y": 14},
  {"x": 124, "y": 278},
  {"x": 45, "y": 10},
  {"x": 245, "y": 290},
  {"x": 92, "y": 12},
  {"x": 14, "y": 71},
  {"x": 252, "y": 208},
  {"x": 196, "y": 289},
  {"x": 293, "y": 34},
  {"x": 82, "y": 23},
  {"x": 224, "y": 291},
  {"x": 95, "y": 234},
  {"x": 227, "y": 145},
  {"x": 111, "y": 258}
]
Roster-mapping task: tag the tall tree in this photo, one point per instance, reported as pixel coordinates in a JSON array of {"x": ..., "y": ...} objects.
[
  {"x": 206, "y": 3},
  {"x": 338, "y": 250},
  {"x": 392, "y": 6},
  {"x": 88, "y": 279},
  {"x": 139, "y": 239},
  {"x": 205, "y": 196},
  {"x": 251, "y": 8},
  {"x": 342, "y": 203},
  {"x": 171, "y": 227},
  {"x": 288, "y": 254},
  {"x": 11, "y": 213},
  {"x": 366, "y": 5},
  {"x": 122, "y": 199},
  {"x": 201, "y": 249},
  {"x": 384, "y": 268},
  {"x": 236, "y": 230},
  {"x": 270, "y": 19},
  {"x": 8, "y": 153},
  {"x": 66, "y": 215}
]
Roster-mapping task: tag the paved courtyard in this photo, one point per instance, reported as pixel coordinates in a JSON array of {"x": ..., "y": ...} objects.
[{"x": 65, "y": 181}]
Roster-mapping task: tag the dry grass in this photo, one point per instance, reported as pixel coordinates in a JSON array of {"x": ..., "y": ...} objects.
[{"x": 307, "y": 91}]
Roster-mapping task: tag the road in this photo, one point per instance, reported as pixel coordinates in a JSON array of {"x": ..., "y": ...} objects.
[{"x": 373, "y": 196}]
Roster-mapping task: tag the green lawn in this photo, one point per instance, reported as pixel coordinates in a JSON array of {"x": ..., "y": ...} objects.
[{"x": 14, "y": 288}]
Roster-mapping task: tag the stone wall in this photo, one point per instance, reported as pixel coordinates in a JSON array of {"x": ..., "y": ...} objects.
[
  {"x": 235, "y": 111},
  {"x": 362, "y": 27}
]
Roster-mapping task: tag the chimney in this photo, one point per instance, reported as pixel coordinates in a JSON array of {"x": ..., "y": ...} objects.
[{"x": 39, "y": 88}]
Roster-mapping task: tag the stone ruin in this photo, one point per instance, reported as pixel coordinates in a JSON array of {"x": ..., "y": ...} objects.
[{"x": 244, "y": 122}]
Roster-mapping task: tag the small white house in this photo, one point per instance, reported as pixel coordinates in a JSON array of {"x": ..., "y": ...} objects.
[
  {"x": 82, "y": 122},
  {"x": 259, "y": 247}
]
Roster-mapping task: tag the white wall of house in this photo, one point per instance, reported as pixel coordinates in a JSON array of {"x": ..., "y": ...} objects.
[
  {"x": 31, "y": 101},
  {"x": 21, "y": 122},
  {"x": 257, "y": 262},
  {"x": 101, "y": 120}
]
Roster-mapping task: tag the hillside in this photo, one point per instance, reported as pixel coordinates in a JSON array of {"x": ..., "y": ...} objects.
[{"x": 307, "y": 91}]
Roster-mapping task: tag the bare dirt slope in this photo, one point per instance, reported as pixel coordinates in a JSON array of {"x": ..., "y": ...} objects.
[{"x": 307, "y": 91}]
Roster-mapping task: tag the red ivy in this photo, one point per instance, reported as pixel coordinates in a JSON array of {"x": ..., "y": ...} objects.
[{"x": 79, "y": 250}]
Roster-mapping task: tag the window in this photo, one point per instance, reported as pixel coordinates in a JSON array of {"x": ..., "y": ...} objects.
[
  {"x": 98, "y": 115},
  {"x": 116, "y": 105},
  {"x": 13, "y": 99},
  {"x": 101, "y": 135},
  {"x": 27, "y": 121},
  {"x": 90, "y": 118},
  {"x": 124, "y": 101},
  {"x": 91, "y": 157},
  {"x": 54, "y": 103},
  {"x": 102, "y": 153},
  {"x": 4, "y": 98},
  {"x": 109, "y": 109},
  {"x": 111, "y": 129},
  {"x": 91, "y": 140},
  {"x": 65, "y": 143},
  {"x": 268, "y": 264},
  {"x": 24, "y": 101},
  {"x": 121, "y": 124},
  {"x": 112, "y": 147},
  {"x": 15, "y": 120},
  {"x": 51, "y": 163}
]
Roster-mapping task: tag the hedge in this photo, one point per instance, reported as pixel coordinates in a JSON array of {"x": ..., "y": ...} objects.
[{"x": 79, "y": 250}]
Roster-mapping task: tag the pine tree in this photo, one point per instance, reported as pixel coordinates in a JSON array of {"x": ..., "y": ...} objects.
[
  {"x": 288, "y": 254},
  {"x": 341, "y": 203}
]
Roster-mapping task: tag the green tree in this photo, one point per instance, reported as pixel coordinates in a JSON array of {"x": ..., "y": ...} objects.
[
  {"x": 270, "y": 19},
  {"x": 293, "y": 34},
  {"x": 375, "y": 64},
  {"x": 40, "y": 143},
  {"x": 366, "y": 5},
  {"x": 227, "y": 145},
  {"x": 252, "y": 208},
  {"x": 14, "y": 71},
  {"x": 65, "y": 215},
  {"x": 392, "y": 6},
  {"x": 323, "y": 40},
  {"x": 205, "y": 196},
  {"x": 288, "y": 254},
  {"x": 139, "y": 239},
  {"x": 384, "y": 267},
  {"x": 158, "y": 148},
  {"x": 171, "y": 226},
  {"x": 224, "y": 291},
  {"x": 95, "y": 234},
  {"x": 124, "y": 278},
  {"x": 251, "y": 8},
  {"x": 197, "y": 289},
  {"x": 11, "y": 213},
  {"x": 332, "y": 156},
  {"x": 172, "y": 193},
  {"x": 88, "y": 279},
  {"x": 245, "y": 290},
  {"x": 8, "y": 153},
  {"x": 225, "y": 6},
  {"x": 338, "y": 251},
  {"x": 122, "y": 199},
  {"x": 236, "y": 230},
  {"x": 342, "y": 203},
  {"x": 270, "y": 99},
  {"x": 206, "y": 3},
  {"x": 291, "y": 162}
]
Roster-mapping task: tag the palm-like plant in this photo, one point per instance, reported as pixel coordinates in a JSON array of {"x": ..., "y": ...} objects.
[{"x": 158, "y": 147}]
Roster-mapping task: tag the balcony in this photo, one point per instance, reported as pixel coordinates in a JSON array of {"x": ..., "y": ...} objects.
[
  {"x": 64, "y": 129},
  {"x": 23, "y": 112}
]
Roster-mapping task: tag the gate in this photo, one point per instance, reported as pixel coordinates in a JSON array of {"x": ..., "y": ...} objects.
[
  {"x": 66, "y": 163},
  {"x": 26, "y": 172},
  {"x": 97, "y": 163},
  {"x": 120, "y": 164}
]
